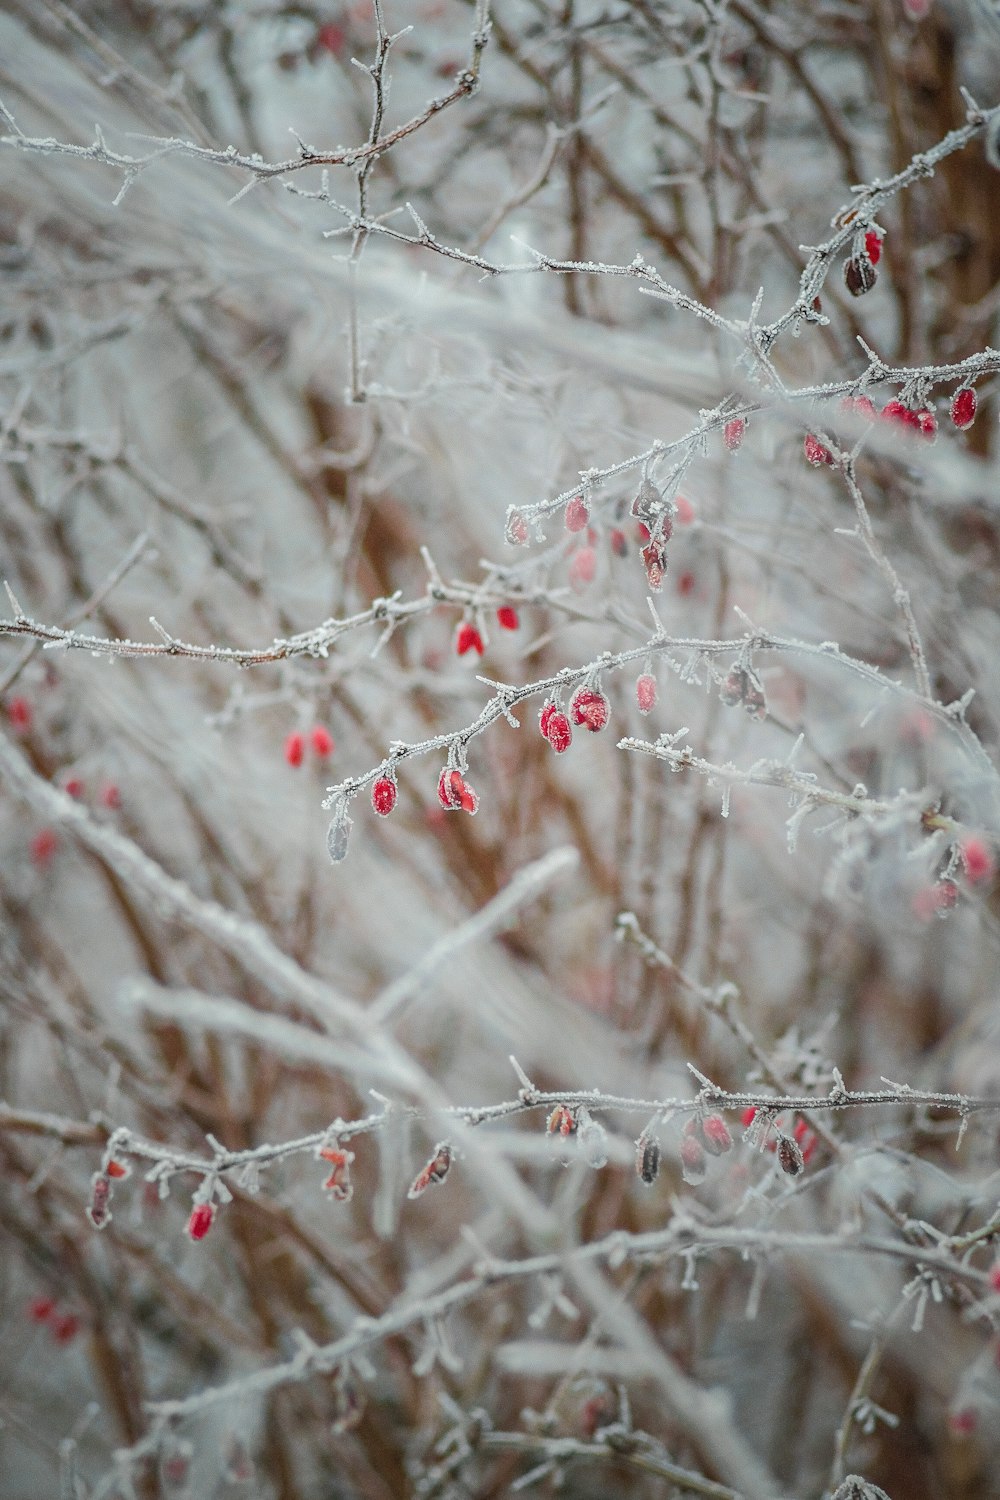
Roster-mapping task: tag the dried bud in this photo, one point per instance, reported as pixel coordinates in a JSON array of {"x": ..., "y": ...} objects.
[
  {"x": 790, "y": 1158},
  {"x": 589, "y": 708},
  {"x": 99, "y": 1212},
  {"x": 338, "y": 1184},
  {"x": 647, "y": 502},
  {"x": 715, "y": 1135},
  {"x": 963, "y": 407},
  {"x": 577, "y": 514},
  {"x": 562, "y": 1121},
  {"x": 692, "y": 1160},
  {"x": 732, "y": 433},
  {"x": 743, "y": 688},
  {"x": 647, "y": 1158},
  {"x": 435, "y": 1171},
  {"x": 859, "y": 275},
  {"x": 384, "y": 794},
  {"x": 338, "y": 835},
  {"x": 856, "y": 1488},
  {"x": 645, "y": 693}
]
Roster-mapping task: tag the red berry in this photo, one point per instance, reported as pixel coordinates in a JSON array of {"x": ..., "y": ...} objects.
[
  {"x": 685, "y": 583},
  {"x": 110, "y": 796},
  {"x": 582, "y": 568},
  {"x": 330, "y": 38},
  {"x": 467, "y": 638},
  {"x": 619, "y": 544},
  {"x": 384, "y": 796},
  {"x": 715, "y": 1135},
  {"x": 963, "y": 1423},
  {"x": 559, "y": 735},
  {"x": 685, "y": 510},
  {"x": 201, "y": 1220},
  {"x": 902, "y": 416},
  {"x": 654, "y": 557},
  {"x": 963, "y": 407},
  {"x": 577, "y": 514},
  {"x": 545, "y": 717},
  {"x": 589, "y": 708},
  {"x": 455, "y": 794},
  {"x": 994, "y": 1276},
  {"x": 116, "y": 1169},
  {"x": 977, "y": 859},
  {"x": 295, "y": 749},
  {"x": 692, "y": 1160},
  {"x": 873, "y": 246},
  {"x": 749, "y": 1115},
  {"x": 860, "y": 406},
  {"x": 435, "y": 1171},
  {"x": 66, "y": 1328},
  {"x": 926, "y": 422},
  {"x": 20, "y": 713},
  {"x": 73, "y": 787},
  {"x": 645, "y": 693},
  {"x": 339, "y": 1181},
  {"x": 733, "y": 432},
  {"x": 517, "y": 529},
  {"x": 321, "y": 740},
  {"x": 43, "y": 846},
  {"x": 642, "y": 532},
  {"x": 507, "y": 617},
  {"x": 816, "y": 452},
  {"x": 40, "y": 1309}
]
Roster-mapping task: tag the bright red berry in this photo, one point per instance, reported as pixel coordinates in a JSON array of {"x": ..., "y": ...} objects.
[
  {"x": 321, "y": 740},
  {"x": 577, "y": 514},
  {"x": 384, "y": 794},
  {"x": 589, "y": 708},
  {"x": 645, "y": 693},
  {"x": 507, "y": 617},
  {"x": 295, "y": 749},
  {"x": 201, "y": 1220},
  {"x": 733, "y": 431},
  {"x": 926, "y": 423},
  {"x": 963, "y": 407},
  {"x": 816, "y": 452},
  {"x": 545, "y": 717},
  {"x": 454, "y": 792},
  {"x": 74, "y": 787},
  {"x": 582, "y": 568},
  {"x": 116, "y": 1169},
  {"x": 467, "y": 638},
  {"x": 902, "y": 416},
  {"x": 43, "y": 846},
  {"x": 976, "y": 859},
  {"x": 559, "y": 735},
  {"x": 21, "y": 714},
  {"x": 873, "y": 246},
  {"x": 749, "y": 1115}
]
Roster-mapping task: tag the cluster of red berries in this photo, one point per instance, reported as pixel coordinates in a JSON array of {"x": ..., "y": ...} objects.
[
  {"x": 63, "y": 1326},
  {"x": 704, "y": 1136},
  {"x": 319, "y": 740},
  {"x": 468, "y": 637},
  {"x": 588, "y": 709}
]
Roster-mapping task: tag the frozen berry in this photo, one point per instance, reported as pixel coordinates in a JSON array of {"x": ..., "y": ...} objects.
[
  {"x": 577, "y": 514},
  {"x": 733, "y": 431},
  {"x": 201, "y": 1220},
  {"x": 963, "y": 407},
  {"x": 467, "y": 638},
  {"x": 384, "y": 796},
  {"x": 589, "y": 708},
  {"x": 645, "y": 693}
]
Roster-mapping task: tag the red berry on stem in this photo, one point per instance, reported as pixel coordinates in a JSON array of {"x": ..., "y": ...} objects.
[
  {"x": 926, "y": 422},
  {"x": 517, "y": 529},
  {"x": 467, "y": 638},
  {"x": 545, "y": 717},
  {"x": 873, "y": 246},
  {"x": 507, "y": 617},
  {"x": 384, "y": 796},
  {"x": 733, "y": 431},
  {"x": 976, "y": 859},
  {"x": 645, "y": 693},
  {"x": 201, "y": 1220},
  {"x": 816, "y": 452},
  {"x": 589, "y": 708},
  {"x": 715, "y": 1135},
  {"x": 321, "y": 740},
  {"x": 577, "y": 514},
  {"x": 560, "y": 735},
  {"x": 295, "y": 749},
  {"x": 963, "y": 407}
]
